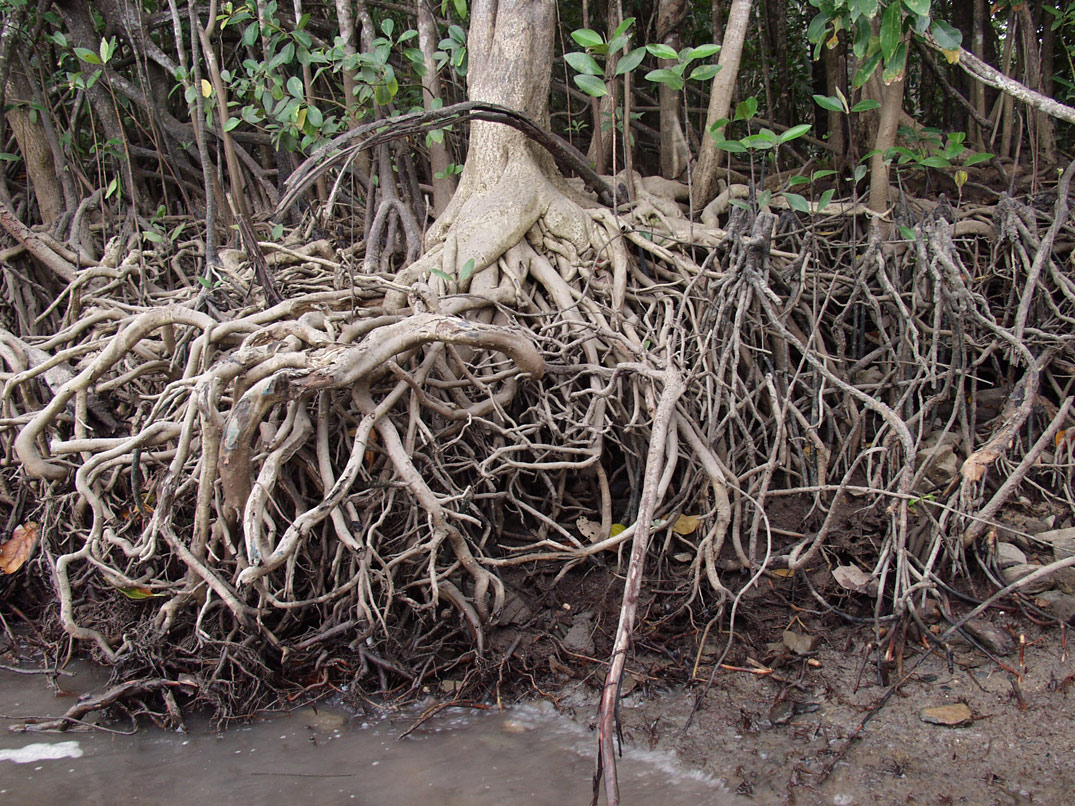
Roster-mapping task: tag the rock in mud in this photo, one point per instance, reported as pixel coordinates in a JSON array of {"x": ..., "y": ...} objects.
[
  {"x": 951, "y": 716},
  {"x": 992, "y": 637},
  {"x": 1016, "y": 572}
]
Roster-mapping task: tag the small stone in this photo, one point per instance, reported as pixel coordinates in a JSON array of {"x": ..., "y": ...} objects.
[
  {"x": 992, "y": 637},
  {"x": 1057, "y": 604},
  {"x": 949, "y": 715},
  {"x": 1010, "y": 554},
  {"x": 1016, "y": 572}
]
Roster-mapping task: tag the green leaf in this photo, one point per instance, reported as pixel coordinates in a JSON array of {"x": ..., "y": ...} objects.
[
  {"x": 862, "y": 38},
  {"x": 764, "y": 198},
  {"x": 907, "y": 232},
  {"x": 826, "y": 197},
  {"x": 583, "y": 63},
  {"x": 231, "y": 123},
  {"x": 442, "y": 275},
  {"x": 630, "y": 61},
  {"x": 978, "y": 157},
  {"x": 664, "y": 76},
  {"x": 746, "y": 109},
  {"x": 760, "y": 140},
  {"x": 153, "y": 236},
  {"x": 700, "y": 52},
  {"x": 797, "y": 202},
  {"x": 891, "y": 30},
  {"x": 87, "y": 55},
  {"x": 314, "y": 117},
  {"x": 7, "y": 156},
  {"x": 794, "y": 132},
  {"x": 947, "y": 37},
  {"x": 294, "y": 86},
  {"x": 662, "y": 51},
  {"x": 466, "y": 270},
  {"x": 894, "y": 69},
  {"x": 865, "y": 105},
  {"x": 863, "y": 8},
  {"x": 822, "y": 174},
  {"x": 918, "y": 6},
  {"x": 460, "y": 8},
  {"x": 935, "y": 161},
  {"x": 829, "y": 102},
  {"x": 704, "y": 72},
  {"x": 587, "y": 38},
  {"x": 622, "y": 28},
  {"x": 591, "y": 85},
  {"x": 815, "y": 32},
  {"x": 860, "y": 172},
  {"x": 798, "y": 180},
  {"x": 862, "y": 75},
  {"x": 732, "y": 146}
]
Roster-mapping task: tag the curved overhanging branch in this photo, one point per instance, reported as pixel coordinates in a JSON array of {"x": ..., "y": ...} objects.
[
  {"x": 344, "y": 147},
  {"x": 987, "y": 74}
]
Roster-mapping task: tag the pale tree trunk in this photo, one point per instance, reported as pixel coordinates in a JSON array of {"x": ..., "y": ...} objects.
[
  {"x": 706, "y": 170},
  {"x": 977, "y": 88},
  {"x": 33, "y": 144},
  {"x": 443, "y": 184},
  {"x": 604, "y": 108},
  {"x": 835, "y": 78},
  {"x": 891, "y": 105},
  {"x": 1043, "y": 129},
  {"x": 508, "y": 182},
  {"x": 674, "y": 151}
]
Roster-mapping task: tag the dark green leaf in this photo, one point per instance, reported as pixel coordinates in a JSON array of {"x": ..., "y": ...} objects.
[
  {"x": 895, "y": 67},
  {"x": 935, "y": 161},
  {"x": 664, "y": 76},
  {"x": 794, "y": 132},
  {"x": 662, "y": 51},
  {"x": 974, "y": 159},
  {"x": 583, "y": 63},
  {"x": 862, "y": 75},
  {"x": 591, "y": 85},
  {"x": 732, "y": 146},
  {"x": 630, "y": 61},
  {"x": 587, "y": 38},
  {"x": 797, "y": 202},
  {"x": 862, "y": 38},
  {"x": 704, "y": 72},
  {"x": 918, "y": 6},
  {"x": 466, "y": 270},
  {"x": 865, "y": 105},
  {"x": 829, "y": 102},
  {"x": 826, "y": 197},
  {"x": 891, "y": 30},
  {"x": 746, "y": 109},
  {"x": 700, "y": 52},
  {"x": 815, "y": 32},
  {"x": 947, "y": 37},
  {"x": 798, "y": 180}
]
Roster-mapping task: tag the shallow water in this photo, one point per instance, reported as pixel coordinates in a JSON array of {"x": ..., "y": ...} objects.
[{"x": 527, "y": 755}]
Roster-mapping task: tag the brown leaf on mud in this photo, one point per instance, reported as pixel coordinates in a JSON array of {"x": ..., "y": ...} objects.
[
  {"x": 798, "y": 643},
  {"x": 851, "y": 577},
  {"x": 949, "y": 715},
  {"x": 686, "y": 524},
  {"x": 19, "y": 547}
]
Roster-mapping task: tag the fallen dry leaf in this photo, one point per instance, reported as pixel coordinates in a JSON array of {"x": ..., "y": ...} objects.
[
  {"x": 19, "y": 547},
  {"x": 686, "y": 524},
  {"x": 851, "y": 577}
]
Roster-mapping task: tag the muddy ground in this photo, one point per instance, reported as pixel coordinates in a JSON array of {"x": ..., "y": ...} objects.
[{"x": 779, "y": 727}]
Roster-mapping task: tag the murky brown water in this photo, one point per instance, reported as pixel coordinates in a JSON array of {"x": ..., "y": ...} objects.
[{"x": 528, "y": 755}]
